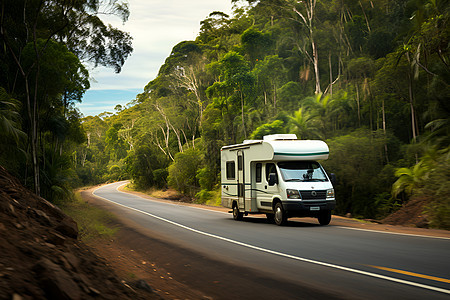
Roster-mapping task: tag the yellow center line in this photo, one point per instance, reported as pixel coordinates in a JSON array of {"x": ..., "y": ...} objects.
[{"x": 412, "y": 274}]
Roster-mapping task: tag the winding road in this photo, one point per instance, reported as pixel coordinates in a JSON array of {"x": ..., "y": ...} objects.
[{"x": 335, "y": 260}]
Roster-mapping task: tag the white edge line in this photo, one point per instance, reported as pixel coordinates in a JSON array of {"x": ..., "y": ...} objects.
[
  {"x": 396, "y": 233},
  {"x": 436, "y": 289},
  {"x": 168, "y": 203}
]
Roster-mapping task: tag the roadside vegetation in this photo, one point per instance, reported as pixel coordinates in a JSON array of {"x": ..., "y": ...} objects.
[
  {"x": 93, "y": 223},
  {"x": 211, "y": 198},
  {"x": 371, "y": 78}
]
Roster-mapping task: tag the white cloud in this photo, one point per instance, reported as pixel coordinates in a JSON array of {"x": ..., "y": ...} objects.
[{"x": 156, "y": 26}]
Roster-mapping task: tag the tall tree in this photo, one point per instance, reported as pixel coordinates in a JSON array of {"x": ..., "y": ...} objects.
[
  {"x": 305, "y": 11},
  {"x": 35, "y": 24}
]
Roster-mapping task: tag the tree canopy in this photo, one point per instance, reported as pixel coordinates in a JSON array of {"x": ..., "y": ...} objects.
[{"x": 45, "y": 46}]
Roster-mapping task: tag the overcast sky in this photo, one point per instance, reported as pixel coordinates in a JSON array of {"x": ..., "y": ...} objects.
[{"x": 156, "y": 27}]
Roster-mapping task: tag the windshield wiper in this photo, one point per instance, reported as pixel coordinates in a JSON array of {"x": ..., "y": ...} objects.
[
  {"x": 314, "y": 180},
  {"x": 305, "y": 180}
]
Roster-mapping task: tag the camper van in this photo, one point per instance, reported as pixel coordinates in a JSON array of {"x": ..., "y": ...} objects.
[{"x": 279, "y": 176}]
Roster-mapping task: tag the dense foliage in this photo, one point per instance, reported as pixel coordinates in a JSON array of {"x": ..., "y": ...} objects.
[
  {"x": 369, "y": 77},
  {"x": 44, "y": 46}
]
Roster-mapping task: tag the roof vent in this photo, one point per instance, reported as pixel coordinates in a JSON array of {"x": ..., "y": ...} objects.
[
  {"x": 278, "y": 137},
  {"x": 250, "y": 141}
]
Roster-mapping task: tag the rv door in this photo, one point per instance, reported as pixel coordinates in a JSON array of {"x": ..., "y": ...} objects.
[{"x": 241, "y": 180}]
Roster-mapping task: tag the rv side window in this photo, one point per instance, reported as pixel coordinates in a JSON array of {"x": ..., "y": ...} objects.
[
  {"x": 230, "y": 170},
  {"x": 258, "y": 172},
  {"x": 270, "y": 168}
]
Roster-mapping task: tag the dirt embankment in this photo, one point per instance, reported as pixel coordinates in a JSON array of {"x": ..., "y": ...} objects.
[
  {"x": 410, "y": 214},
  {"x": 41, "y": 258}
]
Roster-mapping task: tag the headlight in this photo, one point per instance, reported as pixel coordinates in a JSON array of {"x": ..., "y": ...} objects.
[
  {"x": 330, "y": 193},
  {"x": 292, "y": 194}
]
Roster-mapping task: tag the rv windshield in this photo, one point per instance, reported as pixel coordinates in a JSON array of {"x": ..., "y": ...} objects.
[{"x": 301, "y": 171}]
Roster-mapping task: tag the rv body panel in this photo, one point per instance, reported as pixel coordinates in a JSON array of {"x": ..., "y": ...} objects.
[{"x": 279, "y": 150}]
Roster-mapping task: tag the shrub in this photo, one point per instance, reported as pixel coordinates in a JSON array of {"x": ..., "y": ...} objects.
[
  {"x": 357, "y": 160},
  {"x": 183, "y": 171}
]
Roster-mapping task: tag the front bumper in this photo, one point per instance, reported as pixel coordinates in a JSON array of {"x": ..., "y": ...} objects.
[{"x": 307, "y": 208}]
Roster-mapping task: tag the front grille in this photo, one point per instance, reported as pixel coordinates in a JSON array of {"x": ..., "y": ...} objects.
[
  {"x": 314, "y": 203},
  {"x": 313, "y": 195}
]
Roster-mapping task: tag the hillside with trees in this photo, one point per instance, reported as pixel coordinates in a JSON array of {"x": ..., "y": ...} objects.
[{"x": 371, "y": 78}]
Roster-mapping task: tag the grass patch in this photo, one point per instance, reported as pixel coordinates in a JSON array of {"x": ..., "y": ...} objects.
[
  {"x": 129, "y": 187},
  {"x": 212, "y": 198},
  {"x": 170, "y": 194},
  {"x": 92, "y": 221},
  {"x": 164, "y": 194}
]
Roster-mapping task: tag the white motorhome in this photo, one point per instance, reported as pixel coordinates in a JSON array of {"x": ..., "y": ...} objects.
[{"x": 278, "y": 176}]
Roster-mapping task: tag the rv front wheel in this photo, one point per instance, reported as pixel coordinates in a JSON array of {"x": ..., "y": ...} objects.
[
  {"x": 237, "y": 215},
  {"x": 280, "y": 215},
  {"x": 324, "y": 217}
]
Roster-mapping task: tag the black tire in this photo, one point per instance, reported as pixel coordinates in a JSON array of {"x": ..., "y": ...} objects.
[
  {"x": 237, "y": 215},
  {"x": 280, "y": 217},
  {"x": 324, "y": 217},
  {"x": 270, "y": 218}
]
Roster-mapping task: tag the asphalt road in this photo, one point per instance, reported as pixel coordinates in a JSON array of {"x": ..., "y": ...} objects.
[{"x": 354, "y": 263}]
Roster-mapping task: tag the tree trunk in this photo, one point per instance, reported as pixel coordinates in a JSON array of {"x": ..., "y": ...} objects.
[
  {"x": 384, "y": 130},
  {"x": 242, "y": 114},
  {"x": 411, "y": 104},
  {"x": 331, "y": 74},
  {"x": 35, "y": 117},
  {"x": 357, "y": 103},
  {"x": 34, "y": 138},
  {"x": 316, "y": 65},
  {"x": 275, "y": 98},
  {"x": 411, "y": 100},
  {"x": 307, "y": 20}
]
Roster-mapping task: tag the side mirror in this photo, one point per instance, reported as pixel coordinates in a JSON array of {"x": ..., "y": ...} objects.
[
  {"x": 333, "y": 179},
  {"x": 273, "y": 179}
]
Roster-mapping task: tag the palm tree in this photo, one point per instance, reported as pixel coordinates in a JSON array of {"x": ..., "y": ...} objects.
[
  {"x": 9, "y": 117},
  {"x": 410, "y": 179},
  {"x": 407, "y": 180},
  {"x": 304, "y": 125},
  {"x": 439, "y": 135},
  {"x": 322, "y": 109}
]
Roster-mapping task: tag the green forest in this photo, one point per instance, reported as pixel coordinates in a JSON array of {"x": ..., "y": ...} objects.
[{"x": 370, "y": 78}]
